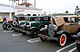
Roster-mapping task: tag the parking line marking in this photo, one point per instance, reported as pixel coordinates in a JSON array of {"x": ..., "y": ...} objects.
[
  {"x": 72, "y": 49},
  {"x": 65, "y": 47},
  {"x": 7, "y": 31},
  {"x": 34, "y": 40},
  {"x": 16, "y": 34}
]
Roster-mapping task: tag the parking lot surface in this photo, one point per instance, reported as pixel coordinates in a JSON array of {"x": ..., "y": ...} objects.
[{"x": 11, "y": 41}]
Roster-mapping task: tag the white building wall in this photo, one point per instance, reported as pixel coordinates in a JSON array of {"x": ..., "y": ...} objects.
[
  {"x": 25, "y": 12},
  {"x": 5, "y": 8}
]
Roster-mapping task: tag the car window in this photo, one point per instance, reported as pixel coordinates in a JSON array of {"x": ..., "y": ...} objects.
[
  {"x": 32, "y": 19},
  {"x": 21, "y": 18},
  {"x": 67, "y": 19},
  {"x": 79, "y": 21},
  {"x": 27, "y": 18},
  {"x": 73, "y": 20},
  {"x": 45, "y": 18}
]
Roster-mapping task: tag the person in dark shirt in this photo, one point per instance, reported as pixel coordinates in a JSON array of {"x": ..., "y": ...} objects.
[{"x": 4, "y": 19}]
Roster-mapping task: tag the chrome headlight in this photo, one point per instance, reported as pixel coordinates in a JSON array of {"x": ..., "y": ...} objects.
[
  {"x": 14, "y": 22},
  {"x": 45, "y": 26},
  {"x": 28, "y": 24}
]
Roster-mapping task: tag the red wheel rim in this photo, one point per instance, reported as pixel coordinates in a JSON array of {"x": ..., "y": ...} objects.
[
  {"x": 44, "y": 38},
  {"x": 63, "y": 38}
]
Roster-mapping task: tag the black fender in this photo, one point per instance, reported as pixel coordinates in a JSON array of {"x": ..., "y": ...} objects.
[{"x": 61, "y": 32}]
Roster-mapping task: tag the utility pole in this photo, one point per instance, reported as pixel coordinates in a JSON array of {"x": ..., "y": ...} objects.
[
  {"x": 34, "y": 3},
  {"x": 13, "y": 5},
  {"x": 18, "y": 2},
  {"x": 22, "y": 1}
]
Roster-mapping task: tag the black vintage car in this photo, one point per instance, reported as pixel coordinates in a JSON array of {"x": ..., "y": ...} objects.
[
  {"x": 77, "y": 39},
  {"x": 9, "y": 23},
  {"x": 34, "y": 24},
  {"x": 20, "y": 20}
]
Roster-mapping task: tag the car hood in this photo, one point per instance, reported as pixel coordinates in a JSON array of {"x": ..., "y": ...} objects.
[
  {"x": 33, "y": 21},
  {"x": 22, "y": 21}
]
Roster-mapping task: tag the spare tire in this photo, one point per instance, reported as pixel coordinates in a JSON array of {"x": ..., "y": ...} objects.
[
  {"x": 14, "y": 23},
  {"x": 34, "y": 33},
  {"x": 62, "y": 40},
  {"x": 9, "y": 27}
]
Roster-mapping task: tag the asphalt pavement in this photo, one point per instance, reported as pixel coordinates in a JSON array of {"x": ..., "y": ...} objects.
[{"x": 11, "y": 41}]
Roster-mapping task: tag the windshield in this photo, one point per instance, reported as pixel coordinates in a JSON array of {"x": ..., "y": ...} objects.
[
  {"x": 30, "y": 18},
  {"x": 43, "y": 18},
  {"x": 79, "y": 20},
  {"x": 19, "y": 18},
  {"x": 67, "y": 19}
]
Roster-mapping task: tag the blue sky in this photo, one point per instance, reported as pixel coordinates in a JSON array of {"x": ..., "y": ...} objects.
[{"x": 54, "y": 6}]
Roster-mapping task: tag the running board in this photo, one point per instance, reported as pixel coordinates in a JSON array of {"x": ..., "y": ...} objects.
[{"x": 53, "y": 38}]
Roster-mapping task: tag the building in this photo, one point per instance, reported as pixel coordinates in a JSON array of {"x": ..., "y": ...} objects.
[
  {"x": 27, "y": 9},
  {"x": 5, "y": 10},
  {"x": 24, "y": 8}
]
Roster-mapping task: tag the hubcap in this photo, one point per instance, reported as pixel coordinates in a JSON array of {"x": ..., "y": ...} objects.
[
  {"x": 44, "y": 38},
  {"x": 34, "y": 32},
  {"x": 9, "y": 27},
  {"x": 63, "y": 39}
]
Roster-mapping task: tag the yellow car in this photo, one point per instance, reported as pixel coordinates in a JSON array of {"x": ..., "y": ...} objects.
[{"x": 1, "y": 20}]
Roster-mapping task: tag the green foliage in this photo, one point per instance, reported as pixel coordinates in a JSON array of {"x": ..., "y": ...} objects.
[
  {"x": 78, "y": 11},
  {"x": 66, "y": 12}
]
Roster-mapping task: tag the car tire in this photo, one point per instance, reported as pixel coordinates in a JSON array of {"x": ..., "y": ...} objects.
[
  {"x": 34, "y": 33},
  {"x": 62, "y": 40},
  {"x": 9, "y": 27},
  {"x": 4, "y": 26},
  {"x": 43, "y": 38}
]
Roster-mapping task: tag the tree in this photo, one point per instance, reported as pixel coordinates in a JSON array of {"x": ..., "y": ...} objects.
[{"x": 66, "y": 12}]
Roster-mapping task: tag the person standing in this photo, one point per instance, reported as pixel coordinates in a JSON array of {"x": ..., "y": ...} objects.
[
  {"x": 76, "y": 10},
  {"x": 4, "y": 19}
]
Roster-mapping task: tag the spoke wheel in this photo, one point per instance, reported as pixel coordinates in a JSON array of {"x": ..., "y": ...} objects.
[
  {"x": 34, "y": 33},
  {"x": 9, "y": 27}
]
